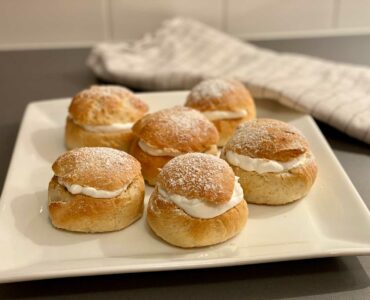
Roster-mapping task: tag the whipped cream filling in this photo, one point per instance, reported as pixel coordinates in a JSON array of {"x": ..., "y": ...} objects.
[
  {"x": 262, "y": 165},
  {"x": 90, "y": 191},
  {"x": 168, "y": 151},
  {"x": 202, "y": 209},
  {"x": 114, "y": 127},
  {"x": 158, "y": 152},
  {"x": 224, "y": 114}
]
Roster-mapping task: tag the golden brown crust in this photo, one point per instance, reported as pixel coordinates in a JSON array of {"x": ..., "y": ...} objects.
[
  {"x": 105, "y": 105},
  {"x": 198, "y": 176},
  {"x": 234, "y": 98},
  {"x": 277, "y": 188},
  {"x": 180, "y": 128},
  {"x": 86, "y": 214},
  {"x": 150, "y": 165},
  {"x": 98, "y": 167},
  {"x": 269, "y": 139},
  {"x": 173, "y": 225},
  {"x": 76, "y": 137}
]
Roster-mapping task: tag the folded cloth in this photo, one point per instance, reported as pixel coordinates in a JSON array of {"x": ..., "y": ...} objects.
[{"x": 183, "y": 52}]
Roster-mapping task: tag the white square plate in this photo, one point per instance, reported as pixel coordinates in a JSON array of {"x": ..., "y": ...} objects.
[{"x": 331, "y": 221}]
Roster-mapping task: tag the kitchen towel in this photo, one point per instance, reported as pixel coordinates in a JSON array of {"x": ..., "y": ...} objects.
[{"x": 183, "y": 52}]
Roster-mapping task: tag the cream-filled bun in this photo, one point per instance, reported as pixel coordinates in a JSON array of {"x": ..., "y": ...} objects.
[
  {"x": 197, "y": 202},
  {"x": 162, "y": 135},
  {"x": 227, "y": 103},
  {"x": 272, "y": 160},
  {"x": 95, "y": 189},
  {"x": 102, "y": 116}
]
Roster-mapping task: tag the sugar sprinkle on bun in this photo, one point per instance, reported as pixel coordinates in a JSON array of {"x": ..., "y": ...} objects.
[
  {"x": 211, "y": 89},
  {"x": 198, "y": 176},
  {"x": 107, "y": 104},
  {"x": 168, "y": 133},
  {"x": 197, "y": 202},
  {"x": 98, "y": 167},
  {"x": 180, "y": 128},
  {"x": 272, "y": 160},
  {"x": 269, "y": 139},
  {"x": 103, "y": 116},
  {"x": 95, "y": 190},
  {"x": 227, "y": 103}
]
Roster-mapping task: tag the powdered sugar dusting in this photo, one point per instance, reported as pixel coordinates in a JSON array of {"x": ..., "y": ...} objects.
[
  {"x": 183, "y": 122},
  {"x": 179, "y": 128},
  {"x": 98, "y": 167},
  {"x": 97, "y": 91},
  {"x": 105, "y": 105},
  {"x": 257, "y": 137},
  {"x": 114, "y": 91},
  {"x": 198, "y": 175},
  {"x": 211, "y": 88}
]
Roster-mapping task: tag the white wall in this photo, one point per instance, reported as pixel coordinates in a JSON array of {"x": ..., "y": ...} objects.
[{"x": 68, "y": 23}]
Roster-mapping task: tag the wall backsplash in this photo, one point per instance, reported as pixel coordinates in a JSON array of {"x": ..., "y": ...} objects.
[{"x": 69, "y": 23}]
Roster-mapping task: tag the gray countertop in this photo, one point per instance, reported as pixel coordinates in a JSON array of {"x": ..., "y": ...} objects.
[{"x": 27, "y": 76}]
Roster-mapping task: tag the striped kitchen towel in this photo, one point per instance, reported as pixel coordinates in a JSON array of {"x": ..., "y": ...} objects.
[{"x": 183, "y": 52}]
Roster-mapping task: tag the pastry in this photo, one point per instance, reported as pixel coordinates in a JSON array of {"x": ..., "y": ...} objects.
[
  {"x": 197, "y": 202},
  {"x": 95, "y": 189},
  {"x": 273, "y": 161},
  {"x": 162, "y": 135},
  {"x": 227, "y": 103},
  {"x": 102, "y": 116}
]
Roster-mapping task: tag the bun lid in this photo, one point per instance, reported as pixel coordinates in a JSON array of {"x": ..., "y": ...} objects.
[
  {"x": 181, "y": 128},
  {"x": 105, "y": 105},
  {"x": 98, "y": 167},
  {"x": 268, "y": 138},
  {"x": 198, "y": 176},
  {"x": 220, "y": 94}
]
